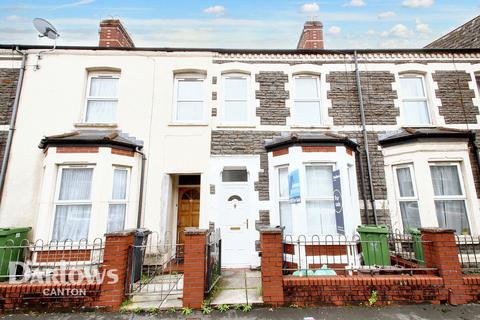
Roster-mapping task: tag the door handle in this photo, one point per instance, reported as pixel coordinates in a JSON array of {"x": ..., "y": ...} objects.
[{"x": 247, "y": 223}]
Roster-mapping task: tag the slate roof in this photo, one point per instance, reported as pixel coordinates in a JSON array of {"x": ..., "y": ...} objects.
[
  {"x": 300, "y": 138},
  {"x": 92, "y": 138},
  {"x": 407, "y": 134}
]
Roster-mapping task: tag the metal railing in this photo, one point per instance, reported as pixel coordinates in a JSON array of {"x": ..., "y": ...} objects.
[
  {"x": 213, "y": 260},
  {"x": 54, "y": 261},
  {"x": 337, "y": 254},
  {"x": 469, "y": 253}
]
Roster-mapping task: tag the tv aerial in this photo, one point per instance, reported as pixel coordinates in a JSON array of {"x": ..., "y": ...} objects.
[{"x": 45, "y": 29}]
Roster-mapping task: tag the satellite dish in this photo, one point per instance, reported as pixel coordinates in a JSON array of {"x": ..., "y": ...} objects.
[{"x": 45, "y": 28}]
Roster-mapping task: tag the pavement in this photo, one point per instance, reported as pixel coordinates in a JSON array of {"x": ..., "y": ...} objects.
[
  {"x": 413, "y": 312},
  {"x": 238, "y": 286}
]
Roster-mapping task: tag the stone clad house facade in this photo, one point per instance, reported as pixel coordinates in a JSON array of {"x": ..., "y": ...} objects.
[{"x": 113, "y": 138}]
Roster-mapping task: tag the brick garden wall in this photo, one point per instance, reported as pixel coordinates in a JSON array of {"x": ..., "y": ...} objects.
[
  {"x": 107, "y": 295},
  {"x": 355, "y": 290},
  {"x": 445, "y": 284}
]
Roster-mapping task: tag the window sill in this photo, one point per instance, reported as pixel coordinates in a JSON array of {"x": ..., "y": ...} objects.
[
  {"x": 95, "y": 125},
  {"x": 418, "y": 125},
  {"x": 188, "y": 124},
  {"x": 306, "y": 126},
  {"x": 236, "y": 125}
]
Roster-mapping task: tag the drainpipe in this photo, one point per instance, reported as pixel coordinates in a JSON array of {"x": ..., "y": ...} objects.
[
  {"x": 362, "y": 184},
  {"x": 11, "y": 129},
  {"x": 365, "y": 140},
  {"x": 140, "y": 196}
]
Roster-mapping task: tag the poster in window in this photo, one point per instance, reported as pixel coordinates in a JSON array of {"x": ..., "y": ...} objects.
[
  {"x": 294, "y": 186},
  {"x": 337, "y": 201}
]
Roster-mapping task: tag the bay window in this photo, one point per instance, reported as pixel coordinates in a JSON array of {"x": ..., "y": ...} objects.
[
  {"x": 307, "y": 104},
  {"x": 235, "y": 99},
  {"x": 449, "y": 197},
  {"x": 319, "y": 200},
  {"x": 283, "y": 201},
  {"x": 189, "y": 98},
  {"x": 102, "y": 98},
  {"x": 414, "y": 109},
  {"x": 73, "y": 204},
  {"x": 407, "y": 197},
  {"x": 118, "y": 203}
]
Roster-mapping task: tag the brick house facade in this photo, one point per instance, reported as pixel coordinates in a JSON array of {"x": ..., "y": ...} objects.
[{"x": 223, "y": 135}]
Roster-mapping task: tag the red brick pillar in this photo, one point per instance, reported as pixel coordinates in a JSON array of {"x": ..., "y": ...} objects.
[
  {"x": 115, "y": 260},
  {"x": 272, "y": 262},
  {"x": 441, "y": 252},
  {"x": 194, "y": 267}
]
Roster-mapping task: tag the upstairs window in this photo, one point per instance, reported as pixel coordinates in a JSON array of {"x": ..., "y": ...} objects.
[
  {"x": 73, "y": 204},
  {"x": 118, "y": 204},
  {"x": 190, "y": 97},
  {"x": 102, "y": 99},
  {"x": 477, "y": 78},
  {"x": 307, "y": 106},
  {"x": 414, "y": 109},
  {"x": 235, "y": 93}
]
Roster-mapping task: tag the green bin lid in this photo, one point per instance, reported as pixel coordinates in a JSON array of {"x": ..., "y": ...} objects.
[
  {"x": 9, "y": 231},
  {"x": 414, "y": 231},
  {"x": 373, "y": 229}
]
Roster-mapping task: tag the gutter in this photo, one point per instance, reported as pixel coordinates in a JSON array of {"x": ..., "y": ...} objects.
[
  {"x": 365, "y": 141},
  {"x": 140, "y": 194},
  {"x": 13, "y": 120},
  {"x": 253, "y": 51}
]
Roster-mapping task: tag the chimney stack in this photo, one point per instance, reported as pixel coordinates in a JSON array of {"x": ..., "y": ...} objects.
[
  {"x": 113, "y": 34},
  {"x": 312, "y": 36}
]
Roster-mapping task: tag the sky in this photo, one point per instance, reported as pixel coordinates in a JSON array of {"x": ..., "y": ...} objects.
[{"x": 250, "y": 24}]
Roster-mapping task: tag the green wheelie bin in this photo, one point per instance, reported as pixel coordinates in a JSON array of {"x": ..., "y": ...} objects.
[
  {"x": 374, "y": 240},
  {"x": 417, "y": 245},
  {"x": 11, "y": 240}
]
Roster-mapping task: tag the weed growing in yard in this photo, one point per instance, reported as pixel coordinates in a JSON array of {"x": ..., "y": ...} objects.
[
  {"x": 152, "y": 310},
  {"x": 373, "y": 298},
  {"x": 223, "y": 307},
  {"x": 125, "y": 303},
  {"x": 172, "y": 310},
  {"x": 186, "y": 311},
  {"x": 246, "y": 308},
  {"x": 206, "y": 309}
]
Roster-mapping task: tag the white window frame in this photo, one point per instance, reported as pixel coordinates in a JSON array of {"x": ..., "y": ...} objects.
[
  {"x": 281, "y": 199},
  {"x": 185, "y": 77},
  {"x": 89, "y": 98},
  {"x": 248, "y": 98},
  {"x": 307, "y": 198},
  {"x": 397, "y": 190},
  {"x": 127, "y": 192},
  {"x": 58, "y": 202},
  {"x": 462, "y": 197},
  {"x": 319, "y": 100},
  {"x": 415, "y": 99}
]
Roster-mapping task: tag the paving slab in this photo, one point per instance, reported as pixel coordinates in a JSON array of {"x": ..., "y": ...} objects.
[{"x": 230, "y": 296}]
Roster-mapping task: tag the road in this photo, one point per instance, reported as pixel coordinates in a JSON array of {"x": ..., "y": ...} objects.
[{"x": 415, "y": 312}]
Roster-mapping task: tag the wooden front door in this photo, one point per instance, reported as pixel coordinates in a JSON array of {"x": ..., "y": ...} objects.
[{"x": 188, "y": 210}]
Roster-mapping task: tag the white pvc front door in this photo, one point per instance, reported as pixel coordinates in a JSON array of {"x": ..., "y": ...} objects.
[{"x": 238, "y": 245}]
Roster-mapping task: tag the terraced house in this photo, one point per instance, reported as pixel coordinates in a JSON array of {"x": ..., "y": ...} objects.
[{"x": 314, "y": 140}]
